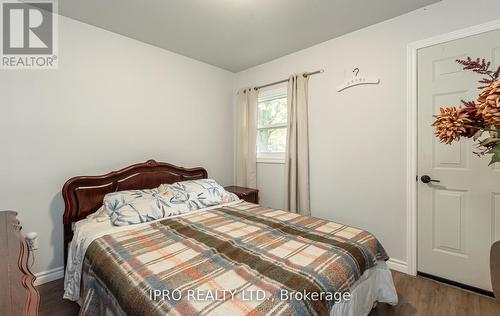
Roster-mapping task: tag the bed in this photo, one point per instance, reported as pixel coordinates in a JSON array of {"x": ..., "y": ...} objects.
[{"x": 231, "y": 259}]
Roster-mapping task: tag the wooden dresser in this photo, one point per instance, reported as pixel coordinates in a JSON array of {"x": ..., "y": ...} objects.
[{"x": 18, "y": 296}]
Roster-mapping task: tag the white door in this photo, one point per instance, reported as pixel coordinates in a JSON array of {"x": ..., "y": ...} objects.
[{"x": 458, "y": 217}]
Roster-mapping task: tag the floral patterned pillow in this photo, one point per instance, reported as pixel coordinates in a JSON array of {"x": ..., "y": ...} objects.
[
  {"x": 202, "y": 193},
  {"x": 140, "y": 206}
]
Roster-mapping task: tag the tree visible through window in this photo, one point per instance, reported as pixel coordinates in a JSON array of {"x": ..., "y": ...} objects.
[{"x": 272, "y": 126}]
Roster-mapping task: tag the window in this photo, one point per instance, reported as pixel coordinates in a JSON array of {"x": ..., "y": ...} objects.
[{"x": 272, "y": 115}]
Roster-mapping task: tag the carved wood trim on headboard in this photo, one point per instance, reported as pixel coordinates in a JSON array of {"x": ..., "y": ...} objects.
[{"x": 83, "y": 195}]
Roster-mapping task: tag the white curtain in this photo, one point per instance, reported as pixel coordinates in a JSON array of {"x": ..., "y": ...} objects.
[
  {"x": 246, "y": 160},
  {"x": 297, "y": 149}
]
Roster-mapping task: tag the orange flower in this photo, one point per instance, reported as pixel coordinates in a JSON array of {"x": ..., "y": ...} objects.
[
  {"x": 451, "y": 123},
  {"x": 488, "y": 104}
]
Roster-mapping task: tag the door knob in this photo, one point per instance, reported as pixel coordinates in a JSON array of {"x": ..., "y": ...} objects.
[{"x": 427, "y": 179}]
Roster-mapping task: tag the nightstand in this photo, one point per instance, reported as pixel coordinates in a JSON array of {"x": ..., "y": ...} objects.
[{"x": 247, "y": 194}]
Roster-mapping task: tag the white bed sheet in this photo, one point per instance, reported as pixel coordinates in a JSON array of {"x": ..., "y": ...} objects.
[{"x": 375, "y": 285}]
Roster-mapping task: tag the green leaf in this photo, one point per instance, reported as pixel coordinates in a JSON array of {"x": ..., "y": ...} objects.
[
  {"x": 489, "y": 140},
  {"x": 496, "y": 154},
  {"x": 478, "y": 134},
  {"x": 494, "y": 132}
]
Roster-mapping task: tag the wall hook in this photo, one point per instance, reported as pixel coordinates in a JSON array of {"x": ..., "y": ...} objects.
[{"x": 356, "y": 70}]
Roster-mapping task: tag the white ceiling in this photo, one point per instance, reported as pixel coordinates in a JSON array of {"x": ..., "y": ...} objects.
[{"x": 235, "y": 34}]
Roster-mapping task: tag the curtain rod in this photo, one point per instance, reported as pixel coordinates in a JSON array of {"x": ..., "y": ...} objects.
[{"x": 307, "y": 74}]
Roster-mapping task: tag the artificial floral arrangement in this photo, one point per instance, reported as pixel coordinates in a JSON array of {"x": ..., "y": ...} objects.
[{"x": 475, "y": 118}]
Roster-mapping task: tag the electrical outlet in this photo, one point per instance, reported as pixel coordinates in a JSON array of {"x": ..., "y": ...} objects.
[{"x": 32, "y": 240}]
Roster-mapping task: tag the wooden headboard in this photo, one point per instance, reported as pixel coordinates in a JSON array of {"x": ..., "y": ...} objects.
[{"x": 84, "y": 195}]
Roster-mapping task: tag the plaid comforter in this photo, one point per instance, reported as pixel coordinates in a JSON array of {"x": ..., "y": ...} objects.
[{"x": 242, "y": 259}]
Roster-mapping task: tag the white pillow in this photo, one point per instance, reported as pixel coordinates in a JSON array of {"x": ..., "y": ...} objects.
[
  {"x": 203, "y": 192},
  {"x": 100, "y": 215},
  {"x": 140, "y": 206}
]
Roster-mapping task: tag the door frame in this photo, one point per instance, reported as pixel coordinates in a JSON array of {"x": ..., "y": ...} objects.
[{"x": 412, "y": 130}]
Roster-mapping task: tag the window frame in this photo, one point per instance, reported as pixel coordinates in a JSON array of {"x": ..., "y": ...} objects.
[{"x": 273, "y": 93}]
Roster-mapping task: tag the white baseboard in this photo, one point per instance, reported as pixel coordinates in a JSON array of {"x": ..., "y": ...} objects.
[
  {"x": 49, "y": 275},
  {"x": 397, "y": 265}
]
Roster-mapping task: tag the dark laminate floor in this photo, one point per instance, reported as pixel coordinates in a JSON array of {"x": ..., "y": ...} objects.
[
  {"x": 417, "y": 296},
  {"x": 51, "y": 301}
]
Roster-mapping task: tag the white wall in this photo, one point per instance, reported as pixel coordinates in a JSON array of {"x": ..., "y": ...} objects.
[
  {"x": 270, "y": 178},
  {"x": 113, "y": 101},
  {"x": 358, "y": 137}
]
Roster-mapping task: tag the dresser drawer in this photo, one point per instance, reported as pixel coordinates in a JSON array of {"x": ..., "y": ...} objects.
[{"x": 18, "y": 296}]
